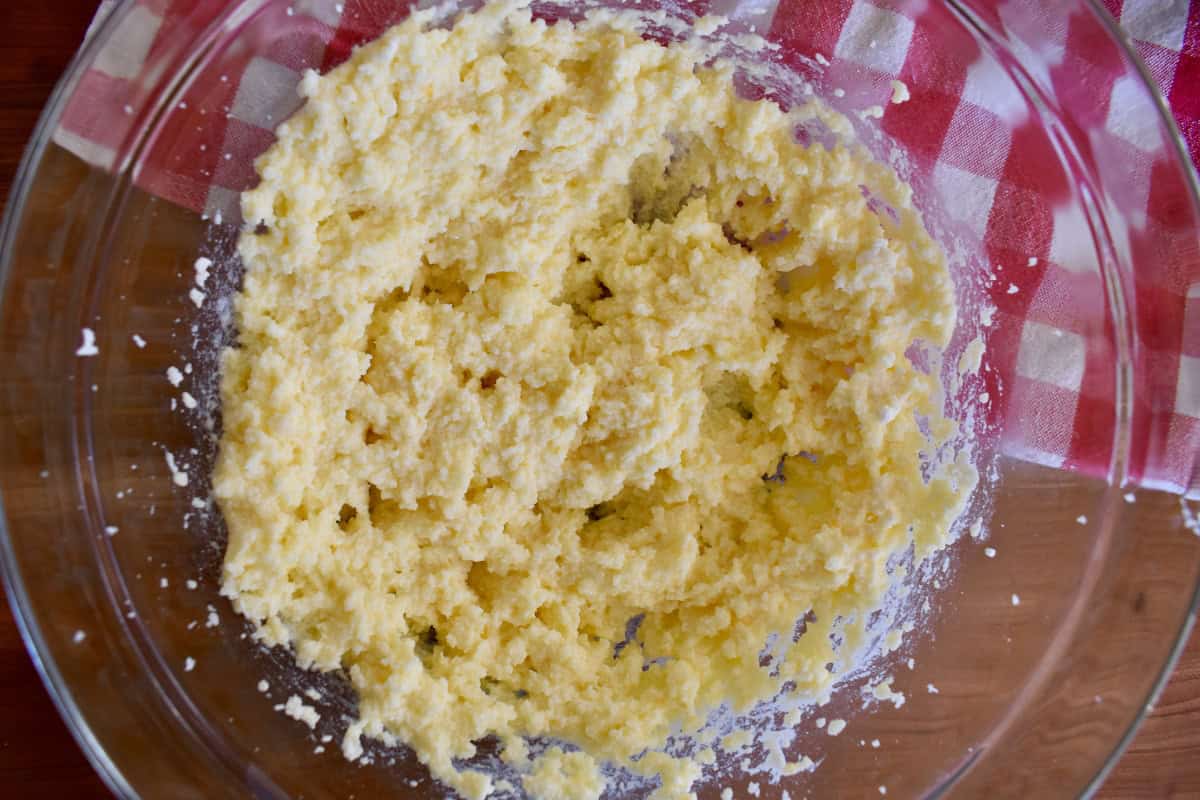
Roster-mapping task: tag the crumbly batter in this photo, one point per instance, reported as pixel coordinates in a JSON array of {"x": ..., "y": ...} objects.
[{"x": 545, "y": 332}]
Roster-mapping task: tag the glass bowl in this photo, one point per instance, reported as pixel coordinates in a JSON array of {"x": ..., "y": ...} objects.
[{"x": 1050, "y": 626}]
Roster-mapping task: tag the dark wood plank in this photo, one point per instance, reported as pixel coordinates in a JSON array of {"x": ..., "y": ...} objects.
[{"x": 38, "y": 757}]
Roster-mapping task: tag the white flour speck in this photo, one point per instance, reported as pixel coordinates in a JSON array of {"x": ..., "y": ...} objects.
[
  {"x": 1016, "y": 600},
  {"x": 189, "y": 664},
  {"x": 174, "y": 376},
  {"x": 88, "y": 347},
  {"x": 990, "y": 552},
  {"x": 78, "y": 637},
  {"x": 202, "y": 266},
  {"x": 111, "y": 530},
  {"x": 297, "y": 710},
  {"x": 139, "y": 341},
  {"x": 177, "y": 475}
]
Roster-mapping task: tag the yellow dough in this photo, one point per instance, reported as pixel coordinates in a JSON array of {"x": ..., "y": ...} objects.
[{"x": 545, "y": 330}]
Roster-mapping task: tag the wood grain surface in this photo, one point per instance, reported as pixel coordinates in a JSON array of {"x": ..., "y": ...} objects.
[{"x": 38, "y": 758}]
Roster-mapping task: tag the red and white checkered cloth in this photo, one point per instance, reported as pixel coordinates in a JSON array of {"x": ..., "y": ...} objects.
[{"x": 973, "y": 138}]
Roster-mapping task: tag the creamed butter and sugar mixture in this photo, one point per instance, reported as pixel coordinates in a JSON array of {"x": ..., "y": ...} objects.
[{"x": 548, "y": 337}]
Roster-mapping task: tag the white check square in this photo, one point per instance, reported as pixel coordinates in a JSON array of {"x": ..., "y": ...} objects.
[
  {"x": 1051, "y": 355},
  {"x": 875, "y": 38}
]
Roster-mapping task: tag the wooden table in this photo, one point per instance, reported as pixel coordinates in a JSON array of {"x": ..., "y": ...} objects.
[{"x": 37, "y": 755}]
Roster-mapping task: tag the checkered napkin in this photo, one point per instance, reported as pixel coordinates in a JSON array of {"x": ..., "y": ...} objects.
[{"x": 970, "y": 137}]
